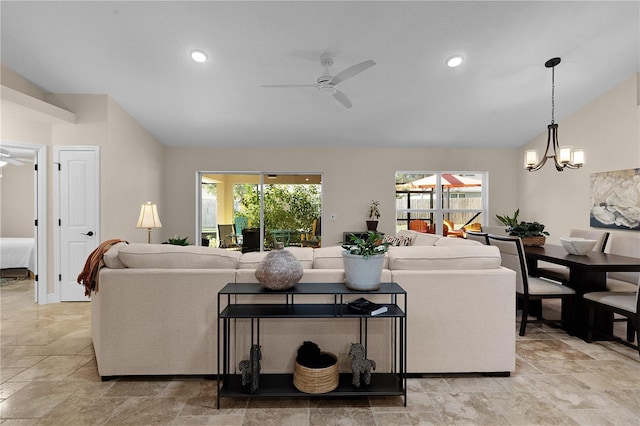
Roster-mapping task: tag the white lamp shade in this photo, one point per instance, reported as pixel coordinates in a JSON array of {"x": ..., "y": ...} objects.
[
  {"x": 149, "y": 216},
  {"x": 564, "y": 156},
  {"x": 530, "y": 158},
  {"x": 578, "y": 157}
]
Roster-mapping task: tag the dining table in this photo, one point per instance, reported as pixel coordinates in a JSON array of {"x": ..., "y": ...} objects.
[{"x": 587, "y": 273}]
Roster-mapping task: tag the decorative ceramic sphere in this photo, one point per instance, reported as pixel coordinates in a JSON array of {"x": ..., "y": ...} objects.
[{"x": 279, "y": 270}]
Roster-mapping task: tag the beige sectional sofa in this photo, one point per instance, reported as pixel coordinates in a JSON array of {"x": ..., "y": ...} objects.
[{"x": 155, "y": 311}]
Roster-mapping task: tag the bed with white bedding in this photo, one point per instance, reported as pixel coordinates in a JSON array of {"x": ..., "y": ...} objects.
[{"x": 17, "y": 253}]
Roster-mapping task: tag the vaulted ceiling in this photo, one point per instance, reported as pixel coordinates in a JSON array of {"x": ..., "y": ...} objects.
[{"x": 500, "y": 97}]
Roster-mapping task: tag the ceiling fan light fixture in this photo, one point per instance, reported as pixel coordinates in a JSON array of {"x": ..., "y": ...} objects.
[
  {"x": 199, "y": 55},
  {"x": 454, "y": 61},
  {"x": 327, "y": 89}
]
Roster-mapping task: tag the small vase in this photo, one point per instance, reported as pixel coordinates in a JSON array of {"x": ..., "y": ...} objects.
[
  {"x": 372, "y": 225},
  {"x": 279, "y": 270}
]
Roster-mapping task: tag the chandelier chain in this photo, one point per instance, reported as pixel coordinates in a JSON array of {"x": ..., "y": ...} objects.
[{"x": 553, "y": 91}]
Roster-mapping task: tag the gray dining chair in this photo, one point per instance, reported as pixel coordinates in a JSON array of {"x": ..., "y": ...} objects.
[
  {"x": 477, "y": 236},
  {"x": 624, "y": 304},
  {"x": 624, "y": 282},
  {"x": 530, "y": 289},
  {"x": 561, "y": 273}
]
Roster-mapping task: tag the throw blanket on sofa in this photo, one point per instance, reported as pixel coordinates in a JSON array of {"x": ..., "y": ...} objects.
[{"x": 89, "y": 275}]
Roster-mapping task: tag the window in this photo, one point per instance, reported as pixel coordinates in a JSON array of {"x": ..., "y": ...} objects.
[
  {"x": 445, "y": 201},
  {"x": 284, "y": 207}
]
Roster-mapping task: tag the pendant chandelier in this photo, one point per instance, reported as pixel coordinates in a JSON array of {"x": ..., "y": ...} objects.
[{"x": 564, "y": 157}]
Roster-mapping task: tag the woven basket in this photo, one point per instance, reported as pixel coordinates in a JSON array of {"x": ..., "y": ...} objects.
[
  {"x": 534, "y": 241},
  {"x": 316, "y": 380}
]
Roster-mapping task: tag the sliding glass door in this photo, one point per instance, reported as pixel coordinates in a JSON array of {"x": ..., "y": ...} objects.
[{"x": 253, "y": 211}]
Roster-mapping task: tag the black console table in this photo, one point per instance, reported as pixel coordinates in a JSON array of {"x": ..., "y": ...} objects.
[{"x": 272, "y": 385}]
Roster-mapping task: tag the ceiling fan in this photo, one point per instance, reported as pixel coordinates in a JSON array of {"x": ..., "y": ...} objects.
[
  {"x": 7, "y": 157},
  {"x": 327, "y": 83}
]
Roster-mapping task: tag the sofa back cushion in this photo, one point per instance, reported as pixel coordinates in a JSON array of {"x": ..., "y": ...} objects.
[
  {"x": 457, "y": 242},
  {"x": 168, "y": 256},
  {"x": 468, "y": 256},
  {"x": 331, "y": 258},
  {"x": 251, "y": 260},
  {"x": 111, "y": 258},
  {"x": 419, "y": 238},
  {"x": 328, "y": 258}
]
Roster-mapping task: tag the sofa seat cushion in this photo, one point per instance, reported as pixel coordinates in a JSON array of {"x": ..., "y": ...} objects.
[
  {"x": 468, "y": 256},
  {"x": 168, "y": 256},
  {"x": 251, "y": 260}
]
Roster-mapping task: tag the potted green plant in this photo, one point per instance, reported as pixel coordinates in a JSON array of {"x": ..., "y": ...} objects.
[
  {"x": 177, "y": 241},
  {"x": 509, "y": 220},
  {"x": 531, "y": 233},
  {"x": 374, "y": 215},
  {"x": 363, "y": 260}
]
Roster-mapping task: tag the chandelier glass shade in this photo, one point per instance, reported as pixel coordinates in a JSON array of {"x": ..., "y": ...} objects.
[{"x": 564, "y": 157}]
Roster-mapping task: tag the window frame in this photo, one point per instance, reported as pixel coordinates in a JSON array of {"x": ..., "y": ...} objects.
[{"x": 438, "y": 212}]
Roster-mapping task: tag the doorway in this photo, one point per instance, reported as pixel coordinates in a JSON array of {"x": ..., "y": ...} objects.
[
  {"x": 77, "y": 210},
  {"x": 38, "y": 154}
]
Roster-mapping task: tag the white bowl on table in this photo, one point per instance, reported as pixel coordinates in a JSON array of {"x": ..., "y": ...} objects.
[{"x": 576, "y": 245}]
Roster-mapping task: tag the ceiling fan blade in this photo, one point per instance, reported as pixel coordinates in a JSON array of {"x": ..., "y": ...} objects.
[
  {"x": 342, "y": 98},
  {"x": 351, "y": 71},
  {"x": 12, "y": 161},
  {"x": 289, "y": 85}
]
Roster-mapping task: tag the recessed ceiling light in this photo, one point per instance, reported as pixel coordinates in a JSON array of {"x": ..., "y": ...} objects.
[
  {"x": 454, "y": 60},
  {"x": 198, "y": 55}
]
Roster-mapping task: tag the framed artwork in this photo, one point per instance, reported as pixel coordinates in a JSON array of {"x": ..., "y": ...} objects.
[{"x": 615, "y": 199}]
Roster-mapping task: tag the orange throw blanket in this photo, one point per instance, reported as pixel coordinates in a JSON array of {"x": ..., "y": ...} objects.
[{"x": 89, "y": 275}]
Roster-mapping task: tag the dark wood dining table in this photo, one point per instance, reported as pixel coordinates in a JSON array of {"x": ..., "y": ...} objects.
[{"x": 587, "y": 273}]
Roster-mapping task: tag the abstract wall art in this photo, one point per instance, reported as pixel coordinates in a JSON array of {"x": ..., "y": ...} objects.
[{"x": 615, "y": 199}]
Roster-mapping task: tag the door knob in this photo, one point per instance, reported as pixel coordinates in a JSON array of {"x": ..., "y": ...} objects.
[{"x": 89, "y": 234}]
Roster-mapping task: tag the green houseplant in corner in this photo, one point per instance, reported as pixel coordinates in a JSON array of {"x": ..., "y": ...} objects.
[
  {"x": 363, "y": 261},
  {"x": 177, "y": 241},
  {"x": 531, "y": 233},
  {"x": 374, "y": 215}
]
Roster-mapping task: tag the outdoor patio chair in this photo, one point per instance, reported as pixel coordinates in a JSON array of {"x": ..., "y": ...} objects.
[
  {"x": 418, "y": 225},
  {"x": 227, "y": 236}
]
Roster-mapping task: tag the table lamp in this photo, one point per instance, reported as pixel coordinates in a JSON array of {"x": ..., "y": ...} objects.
[{"x": 149, "y": 218}]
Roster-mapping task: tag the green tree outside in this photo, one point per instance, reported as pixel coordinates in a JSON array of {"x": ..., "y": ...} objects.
[{"x": 286, "y": 207}]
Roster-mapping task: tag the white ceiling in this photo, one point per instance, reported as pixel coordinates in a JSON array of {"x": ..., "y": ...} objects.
[{"x": 138, "y": 53}]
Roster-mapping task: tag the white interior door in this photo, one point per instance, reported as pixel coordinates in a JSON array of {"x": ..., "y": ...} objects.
[{"x": 78, "y": 215}]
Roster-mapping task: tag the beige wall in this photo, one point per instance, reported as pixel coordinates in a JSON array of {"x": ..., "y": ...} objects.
[
  {"x": 17, "y": 206},
  {"x": 609, "y": 130},
  {"x": 135, "y": 168},
  {"x": 352, "y": 178},
  {"x": 131, "y": 159}
]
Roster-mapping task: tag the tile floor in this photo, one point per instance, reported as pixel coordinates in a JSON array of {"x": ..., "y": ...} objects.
[{"x": 48, "y": 376}]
